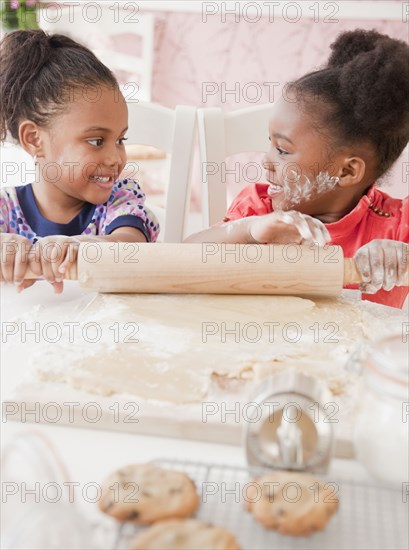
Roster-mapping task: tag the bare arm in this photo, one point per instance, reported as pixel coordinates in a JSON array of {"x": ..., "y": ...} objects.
[
  {"x": 277, "y": 227},
  {"x": 120, "y": 235},
  {"x": 232, "y": 232}
]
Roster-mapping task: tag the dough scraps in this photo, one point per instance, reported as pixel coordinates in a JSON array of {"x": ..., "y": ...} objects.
[{"x": 181, "y": 342}]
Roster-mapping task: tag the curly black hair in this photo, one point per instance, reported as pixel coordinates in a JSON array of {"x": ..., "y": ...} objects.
[
  {"x": 362, "y": 94},
  {"x": 38, "y": 75}
]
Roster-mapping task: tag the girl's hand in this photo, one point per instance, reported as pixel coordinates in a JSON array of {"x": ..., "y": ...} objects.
[
  {"x": 52, "y": 257},
  {"x": 288, "y": 227},
  {"x": 382, "y": 263},
  {"x": 14, "y": 260}
]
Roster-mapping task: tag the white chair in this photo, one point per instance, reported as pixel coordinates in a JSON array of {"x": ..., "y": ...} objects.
[
  {"x": 221, "y": 135},
  {"x": 172, "y": 131},
  {"x": 107, "y": 32}
]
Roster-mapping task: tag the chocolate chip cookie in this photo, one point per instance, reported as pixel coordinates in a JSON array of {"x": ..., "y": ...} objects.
[
  {"x": 292, "y": 503},
  {"x": 185, "y": 535},
  {"x": 145, "y": 493}
]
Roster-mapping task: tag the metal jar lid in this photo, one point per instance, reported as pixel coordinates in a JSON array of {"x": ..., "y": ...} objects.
[{"x": 293, "y": 433}]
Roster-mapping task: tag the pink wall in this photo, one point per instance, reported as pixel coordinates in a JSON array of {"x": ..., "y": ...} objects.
[
  {"x": 198, "y": 62},
  {"x": 190, "y": 53}
]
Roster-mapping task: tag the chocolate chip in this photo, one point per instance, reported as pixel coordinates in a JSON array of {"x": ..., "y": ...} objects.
[
  {"x": 175, "y": 490},
  {"x": 133, "y": 515}
]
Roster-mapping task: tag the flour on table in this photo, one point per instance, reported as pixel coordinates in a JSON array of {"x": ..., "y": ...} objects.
[{"x": 170, "y": 347}]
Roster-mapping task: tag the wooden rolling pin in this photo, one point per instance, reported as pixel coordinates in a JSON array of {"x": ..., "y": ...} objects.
[{"x": 212, "y": 268}]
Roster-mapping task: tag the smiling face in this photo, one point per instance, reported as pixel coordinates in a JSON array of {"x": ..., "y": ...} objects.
[
  {"x": 301, "y": 168},
  {"x": 82, "y": 151}
]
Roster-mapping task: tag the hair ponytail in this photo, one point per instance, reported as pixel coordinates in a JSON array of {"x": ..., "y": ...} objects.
[{"x": 36, "y": 72}]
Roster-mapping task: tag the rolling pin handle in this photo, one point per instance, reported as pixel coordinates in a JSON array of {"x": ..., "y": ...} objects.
[
  {"x": 352, "y": 276},
  {"x": 70, "y": 275}
]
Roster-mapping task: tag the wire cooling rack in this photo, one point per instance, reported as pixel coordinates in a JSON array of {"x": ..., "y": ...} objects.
[{"x": 369, "y": 517}]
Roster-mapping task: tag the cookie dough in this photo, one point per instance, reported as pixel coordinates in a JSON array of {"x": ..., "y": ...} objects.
[
  {"x": 168, "y": 347},
  {"x": 171, "y": 348}
]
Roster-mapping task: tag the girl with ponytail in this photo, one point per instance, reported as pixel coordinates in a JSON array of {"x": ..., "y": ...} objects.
[{"x": 65, "y": 109}]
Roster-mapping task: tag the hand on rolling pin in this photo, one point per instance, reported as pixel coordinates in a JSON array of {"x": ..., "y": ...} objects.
[
  {"x": 383, "y": 264},
  {"x": 52, "y": 257},
  {"x": 14, "y": 259},
  {"x": 288, "y": 227}
]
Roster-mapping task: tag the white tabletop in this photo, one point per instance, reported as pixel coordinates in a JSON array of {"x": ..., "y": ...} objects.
[
  {"x": 70, "y": 439},
  {"x": 89, "y": 455}
]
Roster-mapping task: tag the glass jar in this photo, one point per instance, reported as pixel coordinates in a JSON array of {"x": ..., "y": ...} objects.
[
  {"x": 381, "y": 435},
  {"x": 33, "y": 519}
]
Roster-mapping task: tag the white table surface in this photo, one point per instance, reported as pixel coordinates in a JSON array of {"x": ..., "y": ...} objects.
[
  {"x": 70, "y": 439},
  {"x": 88, "y": 454}
]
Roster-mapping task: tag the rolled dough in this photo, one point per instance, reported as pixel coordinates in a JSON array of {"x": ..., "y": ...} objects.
[{"x": 185, "y": 341}]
